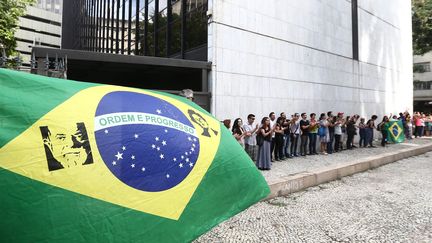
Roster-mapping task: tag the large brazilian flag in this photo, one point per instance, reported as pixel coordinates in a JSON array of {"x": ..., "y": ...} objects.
[
  {"x": 395, "y": 131},
  {"x": 84, "y": 162}
]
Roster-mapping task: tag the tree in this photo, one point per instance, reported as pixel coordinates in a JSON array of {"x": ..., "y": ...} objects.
[
  {"x": 10, "y": 12},
  {"x": 422, "y": 26}
]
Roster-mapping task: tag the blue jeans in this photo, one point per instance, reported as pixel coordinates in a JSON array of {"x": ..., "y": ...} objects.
[
  {"x": 294, "y": 141},
  {"x": 330, "y": 143},
  {"x": 362, "y": 141},
  {"x": 369, "y": 136},
  {"x": 419, "y": 132},
  {"x": 312, "y": 143},
  {"x": 286, "y": 145}
]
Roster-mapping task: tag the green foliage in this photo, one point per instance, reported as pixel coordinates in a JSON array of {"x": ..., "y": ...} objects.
[
  {"x": 10, "y": 11},
  {"x": 422, "y": 26}
]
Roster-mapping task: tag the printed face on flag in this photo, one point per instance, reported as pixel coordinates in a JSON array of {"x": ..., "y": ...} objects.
[{"x": 66, "y": 145}]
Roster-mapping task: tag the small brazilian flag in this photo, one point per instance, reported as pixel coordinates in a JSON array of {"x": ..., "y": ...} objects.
[
  {"x": 84, "y": 162},
  {"x": 395, "y": 131}
]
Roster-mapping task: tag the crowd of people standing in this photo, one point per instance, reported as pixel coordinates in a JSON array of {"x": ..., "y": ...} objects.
[{"x": 275, "y": 139}]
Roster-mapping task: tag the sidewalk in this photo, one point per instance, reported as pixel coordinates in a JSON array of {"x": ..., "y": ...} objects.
[{"x": 291, "y": 175}]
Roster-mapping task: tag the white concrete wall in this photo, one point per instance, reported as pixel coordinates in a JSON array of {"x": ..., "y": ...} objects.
[{"x": 296, "y": 56}]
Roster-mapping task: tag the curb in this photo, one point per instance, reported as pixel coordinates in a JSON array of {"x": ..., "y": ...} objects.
[{"x": 300, "y": 181}]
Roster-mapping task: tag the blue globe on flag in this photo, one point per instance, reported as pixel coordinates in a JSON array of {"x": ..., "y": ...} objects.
[{"x": 146, "y": 142}]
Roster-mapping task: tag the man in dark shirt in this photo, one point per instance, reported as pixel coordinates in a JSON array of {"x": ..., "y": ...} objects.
[
  {"x": 331, "y": 132},
  {"x": 304, "y": 127}
]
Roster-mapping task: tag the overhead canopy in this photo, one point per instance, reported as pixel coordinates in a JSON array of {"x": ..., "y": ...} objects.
[{"x": 146, "y": 72}]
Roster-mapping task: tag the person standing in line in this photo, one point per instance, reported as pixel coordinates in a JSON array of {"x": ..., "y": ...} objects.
[
  {"x": 313, "y": 130},
  {"x": 238, "y": 131},
  {"x": 338, "y": 122},
  {"x": 227, "y": 123},
  {"x": 250, "y": 138},
  {"x": 264, "y": 154},
  {"x": 351, "y": 132},
  {"x": 304, "y": 127},
  {"x": 279, "y": 139},
  {"x": 370, "y": 126},
  {"x": 188, "y": 94},
  {"x": 294, "y": 133},
  {"x": 285, "y": 125},
  {"x": 331, "y": 131},
  {"x": 421, "y": 122},
  {"x": 362, "y": 131},
  {"x": 428, "y": 125},
  {"x": 272, "y": 117},
  {"x": 409, "y": 124},
  {"x": 383, "y": 131},
  {"x": 323, "y": 133}
]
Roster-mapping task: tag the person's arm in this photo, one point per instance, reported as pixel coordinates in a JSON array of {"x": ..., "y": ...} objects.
[
  {"x": 247, "y": 133},
  {"x": 237, "y": 135},
  {"x": 305, "y": 127},
  {"x": 265, "y": 134},
  {"x": 278, "y": 129}
]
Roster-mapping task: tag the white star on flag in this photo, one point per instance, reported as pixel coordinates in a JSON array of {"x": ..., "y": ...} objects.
[
  {"x": 133, "y": 157},
  {"x": 114, "y": 163},
  {"x": 167, "y": 176},
  {"x": 157, "y": 138},
  {"x": 182, "y": 157},
  {"x": 158, "y": 111},
  {"x": 136, "y": 136},
  {"x": 166, "y": 130},
  {"x": 164, "y": 143},
  {"x": 175, "y": 159},
  {"x": 181, "y": 165},
  {"x": 189, "y": 138},
  {"x": 158, "y": 148},
  {"x": 119, "y": 155},
  {"x": 193, "y": 145},
  {"x": 106, "y": 131},
  {"x": 143, "y": 169},
  {"x": 153, "y": 146},
  {"x": 123, "y": 148},
  {"x": 161, "y": 156},
  {"x": 190, "y": 164},
  {"x": 192, "y": 149},
  {"x": 187, "y": 159},
  {"x": 133, "y": 165},
  {"x": 194, "y": 139}
]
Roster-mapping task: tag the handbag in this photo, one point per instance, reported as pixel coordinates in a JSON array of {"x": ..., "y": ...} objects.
[{"x": 259, "y": 139}]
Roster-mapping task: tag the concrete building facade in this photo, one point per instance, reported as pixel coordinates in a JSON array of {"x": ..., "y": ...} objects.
[
  {"x": 299, "y": 56},
  {"x": 249, "y": 56},
  {"x": 40, "y": 26},
  {"x": 423, "y": 82}
]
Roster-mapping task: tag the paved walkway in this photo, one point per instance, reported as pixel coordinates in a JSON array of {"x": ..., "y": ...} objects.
[
  {"x": 389, "y": 204},
  {"x": 297, "y": 165}
]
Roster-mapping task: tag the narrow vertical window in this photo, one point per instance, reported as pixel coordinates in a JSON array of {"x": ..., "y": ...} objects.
[{"x": 354, "y": 16}]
